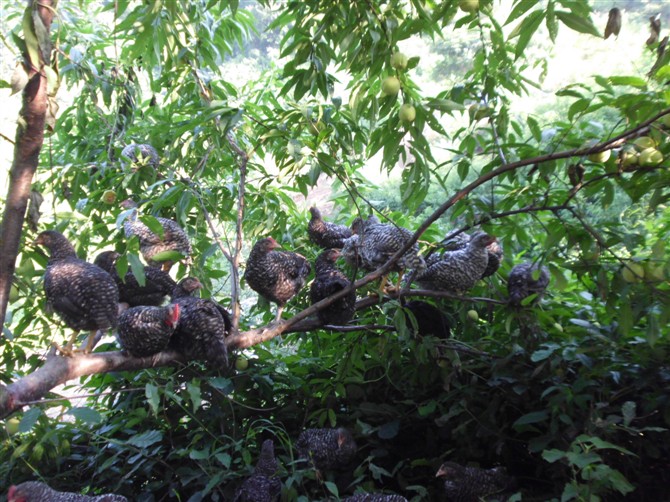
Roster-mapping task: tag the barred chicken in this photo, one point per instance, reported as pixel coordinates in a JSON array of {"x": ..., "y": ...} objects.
[
  {"x": 327, "y": 448},
  {"x": 375, "y": 497},
  {"x": 325, "y": 234},
  {"x": 472, "y": 484},
  {"x": 429, "y": 319},
  {"x": 460, "y": 241},
  {"x": 378, "y": 242},
  {"x": 457, "y": 271},
  {"x": 203, "y": 325},
  {"x": 36, "y": 491},
  {"x": 329, "y": 280},
  {"x": 141, "y": 154},
  {"x": 82, "y": 294},
  {"x": 527, "y": 279},
  {"x": 157, "y": 286},
  {"x": 146, "y": 330},
  {"x": 276, "y": 275},
  {"x": 167, "y": 249},
  {"x": 261, "y": 486}
]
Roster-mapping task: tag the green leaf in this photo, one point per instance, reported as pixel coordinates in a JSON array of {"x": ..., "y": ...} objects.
[
  {"x": 145, "y": 439},
  {"x": 138, "y": 269},
  {"x": 32, "y": 44},
  {"x": 153, "y": 397},
  {"x": 553, "y": 455},
  {"x": 578, "y": 23},
  {"x": 632, "y": 81},
  {"x": 628, "y": 411},
  {"x": 519, "y": 10},
  {"x": 85, "y": 414},
  {"x": 526, "y": 30},
  {"x": 531, "y": 418},
  {"x": 29, "y": 419}
]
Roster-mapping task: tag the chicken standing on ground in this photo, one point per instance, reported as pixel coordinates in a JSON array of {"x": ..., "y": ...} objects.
[
  {"x": 167, "y": 249},
  {"x": 36, "y": 491},
  {"x": 262, "y": 486},
  {"x": 146, "y": 330},
  {"x": 329, "y": 280},
  {"x": 203, "y": 325},
  {"x": 327, "y": 448},
  {"x": 157, "y": 286},
  {"x": 325, "y": 234},
  {"x": 82, "y": 294},
  {"x": 527, "y": 279},
  {"x": 458, "y": 271},
  {"x": 276, "y": 275},
  {"x": 379, "y": 241},
  {"x": 472, "y": 484}
]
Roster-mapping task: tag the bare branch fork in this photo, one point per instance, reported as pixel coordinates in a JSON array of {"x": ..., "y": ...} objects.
[{"x": 57, "y": 370}]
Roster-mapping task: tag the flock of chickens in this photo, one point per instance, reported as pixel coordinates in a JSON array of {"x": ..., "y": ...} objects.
[
  {"x": 324, "y": 450},
  {"x": 158, "y": 313}
]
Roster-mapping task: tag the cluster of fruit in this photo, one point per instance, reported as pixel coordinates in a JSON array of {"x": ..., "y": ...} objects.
[
  {"x": 649, "y": 271},
  {"x": 391, "y": 87},
  {"x": 643, "y": 153}
]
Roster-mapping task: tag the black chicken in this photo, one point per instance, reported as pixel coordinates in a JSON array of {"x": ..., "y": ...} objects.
[
  {"x": 325, "y": 234},
  {"x": 36, "y": 491},
  {"x": 472, "y": 484},
  {"x": 329, "y": 280},
  {"x": 157, "y": 286},
  {"x": 375, "y": 497},
  {"x": 527, "y": 279},
  {"x": 275, "y": 275},
  {"x": 140, "y": 155},
  {"x": 378, "y": 242},
  {"x": 460, "y": 241},
  {"x": 429, "y": 319},
  {"x": 146, "y": 330},
  {"x": 167, "y": 249},
  {"x": 261, "y": 486},
  {"x": 81, "y": 293},
  {"x": 458, "y": 271},
  {"x": 327, "y": 448},
  {"x": 203, "y": 325}
]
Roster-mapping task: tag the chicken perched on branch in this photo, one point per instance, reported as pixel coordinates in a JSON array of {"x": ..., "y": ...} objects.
[
  {"x": 261, "y": 486},
  {"x": 325, "y": 234},
  {"x": 527, "y": 279},
  {"x": 429, "y": 319},
  {"x": 157, "y": 286},
  {"x": 327, "y": 448},
  {"x": 36, "y": 491},
  {"x": 458, "y": 271},
  {"x": 203, "y": 325},
  {"x": 81, "y": 293},
  {"x": 460, "y": 241},
  {"x": 379, "y": 241},
  {"x": 166, "y": 249},
  {"x": 375, "y": 497},
  {"x": 329, "y": 280},
  {"x": 146, "y": 330},
  {"x": 140, "y": 154},
  {"x": 471, "y": 484},
  {"x": 276, "y": 275}
]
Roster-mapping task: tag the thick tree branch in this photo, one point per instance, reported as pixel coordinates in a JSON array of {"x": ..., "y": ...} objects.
[{"x": 29, "y": 140}]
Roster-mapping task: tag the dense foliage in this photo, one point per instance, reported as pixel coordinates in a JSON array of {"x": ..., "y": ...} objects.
[{"x": 571, "y": 394}]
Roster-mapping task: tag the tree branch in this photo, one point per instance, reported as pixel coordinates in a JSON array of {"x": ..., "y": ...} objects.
[{"x": 29, "y": 140}]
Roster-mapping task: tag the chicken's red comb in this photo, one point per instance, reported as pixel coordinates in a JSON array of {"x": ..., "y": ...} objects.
[
  {"x": 174, "y": 317},
  {"x": 11, "y": 495}
]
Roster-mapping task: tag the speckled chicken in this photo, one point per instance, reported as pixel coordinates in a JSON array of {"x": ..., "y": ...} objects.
[
  {"x": 140, "y": 154},
  {"x": 36, "y": 491},
  {"x": 167, "y": 249},
  {"x": 203, "y": 325},
  {"x": 276, "y": 275},
  {"x": 325, "y": 234},
  {"x": 527, "y": 279},
  {"x": 327, "y": 281},
  {"x": 375, "y": 497},
  {"x": 460, "y": 241},
  {"x": 81, "y": 293},
  {"x": 472, "y": 484},
  {"x": 262, "y": 486},
  {"x": 379, "y": 241},
  {"x": 327, "y": 448},
  {"x": 146, "y": 330},
  {"x": 457, "y": 271},
  {"x": 157, "y": 286},
  {"x": 429, "y": 319}
]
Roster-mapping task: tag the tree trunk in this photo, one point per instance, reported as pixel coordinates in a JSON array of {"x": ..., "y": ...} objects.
[{"x": 29, "y": 140}]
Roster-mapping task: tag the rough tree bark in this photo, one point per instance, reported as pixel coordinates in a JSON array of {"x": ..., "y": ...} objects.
[{"x": 29, "y": 140}]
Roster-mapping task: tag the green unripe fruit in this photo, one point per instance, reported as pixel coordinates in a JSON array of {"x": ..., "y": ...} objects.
[
  {"x": 644, "y": 142},
  {"x": 654, "y": 272},
  {"x": 665, "y": 120},
  {"x": 241, "y": 363},
  {"x": 473, "y": 315},
  {"x": 12, "y": 425},
  {"x": 468, "y": 5},
  {"x": 407, "y": 113},
  {"x": 558, "y": 327},
  {"x": 600, "y": 157},
  {"x": 390, "y": 86},
  {"x": 629, "y": 158},
  {"x": 650, "y": 157},
  {"x": 632, "y": 272},
  {"x": 109, "y": 197},
  {"x": 399, "y": 61}
]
